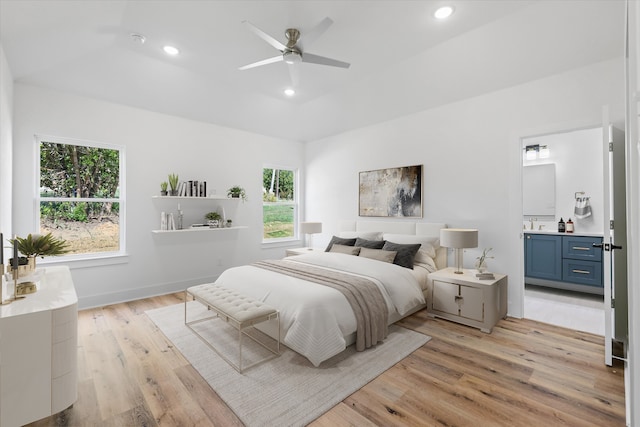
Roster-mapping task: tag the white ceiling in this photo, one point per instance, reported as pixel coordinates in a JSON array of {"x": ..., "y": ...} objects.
[{"x": 402, "y": 59}]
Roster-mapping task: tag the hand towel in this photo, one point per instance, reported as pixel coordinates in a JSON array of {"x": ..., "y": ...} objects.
[{"x": 583, "y": 208}]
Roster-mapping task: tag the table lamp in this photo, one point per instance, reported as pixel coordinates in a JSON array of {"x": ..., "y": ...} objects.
[
  {"x": 458, "y": 239},
  {"x": 310, "y": 228}
]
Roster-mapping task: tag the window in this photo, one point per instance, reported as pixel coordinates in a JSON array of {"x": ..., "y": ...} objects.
[
  {"x": 80, "y": 193},
  {"x": 279, "y": 204}
]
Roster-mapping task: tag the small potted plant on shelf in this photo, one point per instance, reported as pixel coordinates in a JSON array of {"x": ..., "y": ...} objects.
[
  {"x": 173, "y": 183},
  {"x": 163, "y": 188},
  {"x": 236, "y": 192},
  {"x": 213, "y": 219},
  {"x": 229, "y": 223}
]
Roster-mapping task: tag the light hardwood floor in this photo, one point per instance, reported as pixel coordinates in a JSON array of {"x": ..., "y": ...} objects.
[{"x": 524, "y": 373}]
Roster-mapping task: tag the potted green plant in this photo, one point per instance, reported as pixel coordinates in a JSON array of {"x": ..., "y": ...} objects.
[
  {"x": 213, "y": 219},
  {"x": 163, "y": 188},
  {"x": 229, "y": 223},
  {"x": 237, "y": 192},
  {"x": 173, "y": 183},
  {"x": 37, "y": 245}
]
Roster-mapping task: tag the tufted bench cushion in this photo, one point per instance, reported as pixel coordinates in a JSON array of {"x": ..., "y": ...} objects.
[
  {"x": 236, "y": 309},
  {"x": 233, "y": 304}
]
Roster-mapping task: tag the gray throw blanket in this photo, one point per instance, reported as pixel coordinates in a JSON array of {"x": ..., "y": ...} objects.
[{"x": 363, "y": 295}]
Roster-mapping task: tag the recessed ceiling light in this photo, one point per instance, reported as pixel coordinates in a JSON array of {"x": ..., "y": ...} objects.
[
  {"x": 170, "y": 50},
  {"x": 289, "y": 92},
  {"x": 443, "y": 12}
]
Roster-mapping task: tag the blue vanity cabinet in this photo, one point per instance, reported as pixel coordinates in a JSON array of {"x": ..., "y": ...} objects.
[
  {"x": 543, "y": 254},
  {"x": 564, "y": 261},
  {"x": 582, "y": 263}
]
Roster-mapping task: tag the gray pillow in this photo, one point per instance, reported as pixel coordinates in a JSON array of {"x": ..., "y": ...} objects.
[
  {"x": 405, "y": 253},
  {"x": 340, "y": 241},
  {"x": 371, "y": 244},
  {"x": 377, "y": 254},
  {"x": 344, "y": 249}
]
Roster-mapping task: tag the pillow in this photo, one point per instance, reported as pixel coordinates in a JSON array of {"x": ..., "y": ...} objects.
[
  {"x": 371, "y": 244},
  {"x": 369, "y": 235},
  {"x": 429, "y": 244},
  {"x": 340, "y": 241},
  {"x": 344, "y": 249},
  {"x": 378, "y": 254},
  {"x": 405, "y": 253}
]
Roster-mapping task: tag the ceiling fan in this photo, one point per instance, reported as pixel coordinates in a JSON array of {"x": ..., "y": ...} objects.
[{"x": 292, "y": 53}]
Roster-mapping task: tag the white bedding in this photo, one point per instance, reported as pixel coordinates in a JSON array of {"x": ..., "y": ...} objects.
[{"x": 314, "y": 319}]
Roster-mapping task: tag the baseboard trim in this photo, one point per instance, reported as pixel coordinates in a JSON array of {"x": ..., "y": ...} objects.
[{"x": 93, "y": 301}]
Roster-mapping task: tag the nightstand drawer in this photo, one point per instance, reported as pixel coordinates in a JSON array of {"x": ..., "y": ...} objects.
[{"x": 582, "y": 272}]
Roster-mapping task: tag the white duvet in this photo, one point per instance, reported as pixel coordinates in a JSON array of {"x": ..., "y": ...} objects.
[{"x": 314, "y": 319}]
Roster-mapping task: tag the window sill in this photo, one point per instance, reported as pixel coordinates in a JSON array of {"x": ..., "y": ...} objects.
[
  {"x": 84, "y": 260},
  {"x": 285, "y": 243}
]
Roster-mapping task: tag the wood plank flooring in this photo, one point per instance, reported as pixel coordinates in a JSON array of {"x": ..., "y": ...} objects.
[{"x": 524, "y": 373}]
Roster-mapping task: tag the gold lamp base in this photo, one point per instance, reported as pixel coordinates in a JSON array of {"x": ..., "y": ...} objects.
[{"x": 25, "y": 288}]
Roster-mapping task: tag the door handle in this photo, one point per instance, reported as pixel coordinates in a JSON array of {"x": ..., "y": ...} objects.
[
  {"x": 615, "y": 247},
  {"x": 597, "y": 245}
]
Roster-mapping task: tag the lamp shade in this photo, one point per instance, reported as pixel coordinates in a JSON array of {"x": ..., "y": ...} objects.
[
  {"x": 310, "y": 227},
  {"x": 458, "y": 238}
]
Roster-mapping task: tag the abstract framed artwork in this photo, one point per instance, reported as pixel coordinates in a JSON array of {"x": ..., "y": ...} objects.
[{"x": 391, "y": 192}]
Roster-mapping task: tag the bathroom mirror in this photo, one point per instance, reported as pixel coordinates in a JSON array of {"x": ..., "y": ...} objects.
[{"x": 539, "y": 190}]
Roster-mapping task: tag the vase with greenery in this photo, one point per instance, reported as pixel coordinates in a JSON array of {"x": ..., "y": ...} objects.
[
  {"x": 163, "y": 188},
  {"x": 237, "y": 192},
  {"x": 481, "y": 261},
  {"x": 173, "y": 183},
  {"x": 213, "y": 219},
  {"x": 37, "y": 245}
]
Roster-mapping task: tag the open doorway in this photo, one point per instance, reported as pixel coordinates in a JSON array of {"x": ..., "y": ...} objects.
[{"x": 563, "y": 189}]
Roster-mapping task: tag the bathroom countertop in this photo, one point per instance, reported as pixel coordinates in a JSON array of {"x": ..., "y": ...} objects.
[{"x": 552, "y": 232}]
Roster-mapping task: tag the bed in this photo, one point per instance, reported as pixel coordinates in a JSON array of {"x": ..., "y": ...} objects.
[{"x": 320, "y": 321}]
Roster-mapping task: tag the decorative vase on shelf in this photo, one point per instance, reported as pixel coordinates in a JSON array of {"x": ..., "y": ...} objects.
[{"x": 481, "y": 267}]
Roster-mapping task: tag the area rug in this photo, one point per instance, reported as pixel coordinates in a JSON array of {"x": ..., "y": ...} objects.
[{"x": 287, "y": 390}]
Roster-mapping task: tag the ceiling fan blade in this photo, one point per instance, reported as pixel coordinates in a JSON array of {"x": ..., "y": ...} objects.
[
  {"x": 316, "y": 59},
  {"x": 314, "y": 34},
  {"x": 293, "y": 73},
  {"x": 261, "y": 63},
  {"x": 264, "y": 36}
]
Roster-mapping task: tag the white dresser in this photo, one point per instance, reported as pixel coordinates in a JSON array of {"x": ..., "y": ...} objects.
[{"x": 38, "y": 351}]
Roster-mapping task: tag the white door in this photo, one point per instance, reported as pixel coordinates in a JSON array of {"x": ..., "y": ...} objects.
[{"x": 614, "y": 255}]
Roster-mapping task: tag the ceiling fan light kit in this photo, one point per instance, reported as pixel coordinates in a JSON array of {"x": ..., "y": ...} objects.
[{"x": 292, "y": 53}]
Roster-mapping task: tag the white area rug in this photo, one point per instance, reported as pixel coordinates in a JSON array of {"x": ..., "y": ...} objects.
[{"x": 287, "y": 390}]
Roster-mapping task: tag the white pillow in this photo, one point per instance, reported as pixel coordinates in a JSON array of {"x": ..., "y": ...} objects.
[
  {"x": 428, "y": 248},
  {"x": 368, "y": 235}
]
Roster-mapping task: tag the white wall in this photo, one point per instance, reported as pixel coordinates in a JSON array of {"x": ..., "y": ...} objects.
[
  {"x": 6, "y": 152},
  {"x": 156, "y": 145},
  {"x": 578, "y": 159},
  {"x": 471, "y": 156}
]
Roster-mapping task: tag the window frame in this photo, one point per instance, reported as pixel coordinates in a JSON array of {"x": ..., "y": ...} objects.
[
  {"x": 282, "y": 241},
  {"x": 87, "y": 259}
]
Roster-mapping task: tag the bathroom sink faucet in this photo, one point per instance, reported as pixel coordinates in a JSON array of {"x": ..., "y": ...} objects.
[{"x": 531, "y": 223}]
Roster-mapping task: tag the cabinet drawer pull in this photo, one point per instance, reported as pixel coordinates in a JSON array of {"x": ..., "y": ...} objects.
[
  {"x": 581, "y": 271},
  {"x": 580, "y": 248},
  {"x": 458, "y": 298}
]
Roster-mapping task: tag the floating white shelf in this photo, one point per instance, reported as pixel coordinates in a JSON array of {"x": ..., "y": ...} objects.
[{"x": 199, "y": 229}]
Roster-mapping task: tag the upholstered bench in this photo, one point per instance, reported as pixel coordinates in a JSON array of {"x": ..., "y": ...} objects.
[{"x": 238, "y": 310}]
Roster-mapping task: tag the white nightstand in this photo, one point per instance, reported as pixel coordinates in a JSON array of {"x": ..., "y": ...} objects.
[
  {"x": 301, "y": 251},
  {"x": 465, "y": 299}
]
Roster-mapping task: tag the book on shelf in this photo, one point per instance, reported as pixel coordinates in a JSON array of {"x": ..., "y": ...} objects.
[{"x": 485, "y": 276}]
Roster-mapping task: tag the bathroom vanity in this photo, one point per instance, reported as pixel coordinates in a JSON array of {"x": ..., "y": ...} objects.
[{"x": 564, "y": 261}]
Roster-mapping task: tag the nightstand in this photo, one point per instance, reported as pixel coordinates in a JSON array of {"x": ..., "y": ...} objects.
[
  {"x": 465, "y": 299},
  {"x": 301, "y": 251}
]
